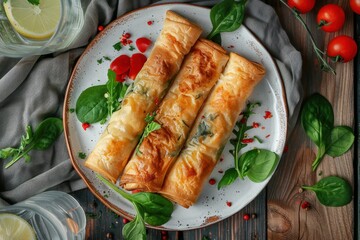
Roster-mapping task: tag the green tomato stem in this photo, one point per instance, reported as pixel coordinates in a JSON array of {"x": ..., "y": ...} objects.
[{"x": 319, "y": 54}]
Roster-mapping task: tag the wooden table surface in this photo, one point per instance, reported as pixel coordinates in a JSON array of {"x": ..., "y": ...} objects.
[{"x": 278, "y": 208}]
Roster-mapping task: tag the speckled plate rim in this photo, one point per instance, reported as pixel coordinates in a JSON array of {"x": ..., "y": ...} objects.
[{"x": 66, "y": 112}]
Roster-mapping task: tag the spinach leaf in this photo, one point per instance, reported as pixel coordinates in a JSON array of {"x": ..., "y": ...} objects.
[
  {"x": 341, "y": 139},
  {"x": 135, "y": 229},
  {"x": 226, "y": 16},
  {"x": 332, "y": 191},
  {"x": 317, "y": 118},
  {"x": 229, "y": 177},
  {"x": 150, "y": 207},
  {"x": 44, "y": 136},
  {"x": 257, "y": 164},
  {"x": 91, "y": 106}
]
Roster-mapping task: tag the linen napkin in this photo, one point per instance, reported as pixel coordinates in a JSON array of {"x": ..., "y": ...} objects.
[{"x": 33, "y": 88}]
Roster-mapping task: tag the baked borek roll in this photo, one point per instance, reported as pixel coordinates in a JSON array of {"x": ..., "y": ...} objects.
[
  {"x": 122, "y": 134},
  {"x": 201, "y": 69},
  {"x": 211, "y": 131}
]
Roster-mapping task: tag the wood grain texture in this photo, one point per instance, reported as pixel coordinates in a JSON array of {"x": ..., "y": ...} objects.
[
  {"x": 282, "y": 217},
  {"x": 286, "y": 218}
]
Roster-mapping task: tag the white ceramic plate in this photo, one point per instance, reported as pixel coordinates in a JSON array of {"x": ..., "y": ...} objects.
[{"x": 211, "y": 206}]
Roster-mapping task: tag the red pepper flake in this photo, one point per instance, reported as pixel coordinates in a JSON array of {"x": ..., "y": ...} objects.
[
  {"x": 85, "y": 125},
  {"x": 121, "y": 77},
  {"x": 286, "y": 148},
  {"x": 125, "y": 221},
  {"x": 221, "y": 171},
  {"x": 267, "y": 115},
  {"x": 267, "y": 136},
  {"x": 212, "y": 181},
  {"x": 243, "y": 120},
  {"x": 221, "y": 159},
  {"x": 202, "y": 116},
  {"x": 246, "y": 217},
  {"x": 156, "y": 101},
  {"x": 129, "y": 41},
  {"x": 100, "y": 28},
  {"x": 150, "y": 22},
  {"x": 247, "y": 140},
  {"x": 305, "y": 205},
  {"x": 262, "y": 127},
  {"x": 255, "y": 124},
  {"x": 231, "y": 46},
  {"x": 228, "y": 203},
  {"x": 126, "y": 35}
]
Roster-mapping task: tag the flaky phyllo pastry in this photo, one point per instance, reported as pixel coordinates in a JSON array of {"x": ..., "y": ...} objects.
[
  {"x": 201, "y": 69},
  {"x": 211, "y": 131},
  {"x": 126, "y": 125}
]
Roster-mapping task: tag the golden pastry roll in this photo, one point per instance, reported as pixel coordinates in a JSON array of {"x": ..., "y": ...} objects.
[
  {"x": 201, "y": 69},
  {"x": 211, "y": 131},
  {"x": 112, "y": 151}
]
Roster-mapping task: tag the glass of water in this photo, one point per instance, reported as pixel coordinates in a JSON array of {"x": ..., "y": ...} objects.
[
  {"x": 56, "y": 24},
  {"x": 53, "y": 215}
]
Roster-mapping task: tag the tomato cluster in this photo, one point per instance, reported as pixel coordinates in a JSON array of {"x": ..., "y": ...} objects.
[{"x": 331, "y": 18}]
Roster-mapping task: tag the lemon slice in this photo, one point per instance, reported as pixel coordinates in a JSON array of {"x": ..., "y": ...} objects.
[
  {"x": 33, "y": 21},
  {"x": 15, "y": 228}
]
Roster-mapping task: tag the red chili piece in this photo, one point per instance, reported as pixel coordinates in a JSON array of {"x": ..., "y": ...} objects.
[
  {"x": 267, "y": 136},
  {"x": 305, "y": 205},
  {"x": 100, "y": 28},
  {"x": 126, "y": 35},
  {"x": 247, "y": 140},
  {"x": 137, "y": 61},
  {"x": 255, "y": 124},
  {"x": 246, "y": 217},
  {"x": 150, "y": 23},
  {"x": 125, "y": 221},
  {"x": 156, "y": 101},
  {"x": 143, "y": 44},
  {"x": 228, "y": 203},
  {"x": 85, "y": 125},
  {"x": 267, "y": 115},
  {"x": 136, "y": 191},
  {"x": 212, "y": 181}
]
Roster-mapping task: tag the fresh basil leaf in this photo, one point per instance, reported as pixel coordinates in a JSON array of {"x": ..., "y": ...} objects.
[
  {"x": 258, "y": 164},
  {"x": 226, "y": 16},
  {"x": 47, "y": 132},
  {"x": 332, "y": 191},
  {"x": 317, "y": 118},
  {"x": 341, "y": 140},
  {"x": 229, "y": 177},
  {"x": 135, "y": 229},
  {"x": 91, "y": 106}
]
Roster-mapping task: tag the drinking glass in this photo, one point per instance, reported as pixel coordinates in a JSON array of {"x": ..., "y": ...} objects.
[
  {"x": 53, "y": 215},
  {"x": 13, "y": 44}
]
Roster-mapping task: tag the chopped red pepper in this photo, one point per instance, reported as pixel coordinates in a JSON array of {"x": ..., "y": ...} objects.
[
  {"x": 255, "y": 124},
  {"x": 228, "y": 203},
  {"x": 126, "y": 35},
  {"x": 267, "y": 136},
  {"x": 137, "y": 61},
  {"x": 121, "y": 77},
  {"x": 267, "y": 115},
  {"x": 85, "y": 125},
  {"x": 143, "y": 44},
  {"x": 305, "y": 205},
  {"x": 212, "y": 181},
  {"x": 247, "y": 140},
  {"x": 243, "y": 120},
  {"x": 150, "y": 23}
]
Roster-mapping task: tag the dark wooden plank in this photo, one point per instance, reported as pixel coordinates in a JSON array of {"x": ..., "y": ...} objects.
[{"x": 286, "y": 218}]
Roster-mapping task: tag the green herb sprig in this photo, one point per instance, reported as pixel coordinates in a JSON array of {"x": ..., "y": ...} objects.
[
  {"x": 226, "y": 16},
  {"x": 332, "y": 191},
  {"x": 317, "y": 118},
  {"x": 150, "y": 208},
  {"x": 150, "y": 127},
  {"x": 44, "y": 136}
]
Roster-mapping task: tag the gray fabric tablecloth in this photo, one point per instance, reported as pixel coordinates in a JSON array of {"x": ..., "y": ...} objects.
[{"x": 33, "y": 88}]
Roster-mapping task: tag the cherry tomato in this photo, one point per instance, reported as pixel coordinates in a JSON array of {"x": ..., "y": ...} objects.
[
  {"x": 137, "y": 61},
  {"x": 302, "y": 6},
  {"x": 330, "y": 18},
  {"x": 120, "y": 64},
  {"x": 342, "y": 48},
  {"x": 355, "y": 6},
  {"x": 143, "y": 44}
]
